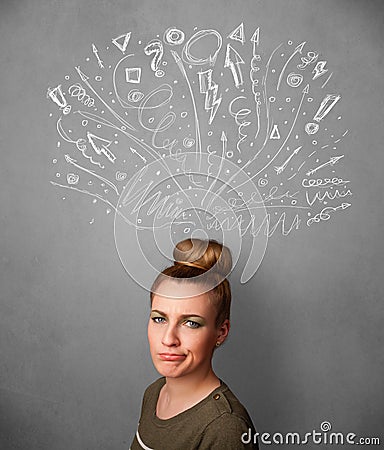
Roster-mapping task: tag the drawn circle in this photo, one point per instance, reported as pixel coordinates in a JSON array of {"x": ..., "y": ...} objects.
[
  {"x": 314, "y": 142},
  {"x": 192, "y": 207},
  {"x": 211, "y": 58},
  {"x": 272, "y": 99},
  {"x": 173, "y": 36},
  {"x": 98, "y": 78},
  {"x": 120, "y": 176},
  {"x": 58, "y": 175},
  {"x": 72, "y": 178},
  {"x": 311, "y": 128},
  {"x": 210, "y": 133},
  {"x": 290, "y": 42},
  {"x": 66, "y": 77},
  {"x": 288, "y": 99},
  {"x": 184, "y": 114},
  {"x": 325, "y": 426},
  {"x": 134, "y": 95},
  {"x": 229, "y": 154},
  {"x": 293, "y": 202},
  {"x": 84, "y": 123},
  {"x": 98, "y": 126},
  {"x": 188, "y": 142},
  {"x": 294, "y": 79},
  {"x": 261, "y": 182},
  {"x": 159, "y": 73}
]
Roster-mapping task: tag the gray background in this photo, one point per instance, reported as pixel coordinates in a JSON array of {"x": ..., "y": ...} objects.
[{"x": 307, "y": 337}]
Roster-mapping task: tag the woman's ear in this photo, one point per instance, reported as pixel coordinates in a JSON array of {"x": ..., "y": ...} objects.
[{"x": 223, "y": 331}]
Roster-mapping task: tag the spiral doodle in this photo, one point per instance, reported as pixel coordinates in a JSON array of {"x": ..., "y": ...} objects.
[
  {"x": 294, "y": 79},
  {"x": 325, "y": 426},
  {"x": 77, "y": 91},
  {"x": 173, "y": 36}
]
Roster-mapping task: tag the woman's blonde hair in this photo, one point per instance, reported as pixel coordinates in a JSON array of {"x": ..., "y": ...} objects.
[{"x": 195, "y": 257}]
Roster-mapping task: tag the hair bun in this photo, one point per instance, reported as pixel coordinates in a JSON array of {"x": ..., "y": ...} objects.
[{"x": 204, "y": 254}]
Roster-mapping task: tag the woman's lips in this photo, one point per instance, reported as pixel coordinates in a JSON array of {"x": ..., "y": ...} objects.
[{"x": 171, "y": 356}]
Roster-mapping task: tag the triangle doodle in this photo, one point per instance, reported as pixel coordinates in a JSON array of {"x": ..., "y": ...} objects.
[
  {"x": 275, "y": 134},
  {"x": 122, "y": 41},
  {"x": 238, "y": 34},
  {"x": 256, "y": 36}
]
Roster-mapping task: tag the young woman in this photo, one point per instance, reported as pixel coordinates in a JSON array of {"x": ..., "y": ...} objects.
[{"x": 190, "y": 407}]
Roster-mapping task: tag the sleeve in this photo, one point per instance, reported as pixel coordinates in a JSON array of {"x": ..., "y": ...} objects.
[{"x": 229, "y": 432}]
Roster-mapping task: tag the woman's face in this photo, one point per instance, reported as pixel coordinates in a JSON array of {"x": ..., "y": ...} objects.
[{"x": 182, "y": 332}]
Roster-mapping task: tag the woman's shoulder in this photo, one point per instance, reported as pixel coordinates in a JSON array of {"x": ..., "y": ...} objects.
[{"x": 228, "y": 407}]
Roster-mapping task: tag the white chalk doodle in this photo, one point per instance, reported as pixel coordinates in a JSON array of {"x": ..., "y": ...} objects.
[
  {"x": 233, "y": 61},
  {"x": 100, "y": 146},
  {"x": 174, "y": 143},
  {"x": 122, "y": 41},
  {"x": 238, "y": 34},
  {"x": 95, "y": 51},
  {"x": 210, "y": 89},
  {"x": 331, "y": 162},
  {"x": 155, "y": 47},
  {"x": 57, "y": 96},
  {"x": 133, "y": 75}
]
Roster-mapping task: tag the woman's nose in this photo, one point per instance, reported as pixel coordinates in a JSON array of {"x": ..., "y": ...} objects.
[{"x": 170, "y": 336}]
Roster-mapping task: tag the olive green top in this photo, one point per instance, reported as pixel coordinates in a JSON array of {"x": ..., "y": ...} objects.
[{"x": 215, "y": 423}]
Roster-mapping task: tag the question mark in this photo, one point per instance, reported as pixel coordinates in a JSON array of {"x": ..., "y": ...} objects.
[{"x": 155, "y": 46}]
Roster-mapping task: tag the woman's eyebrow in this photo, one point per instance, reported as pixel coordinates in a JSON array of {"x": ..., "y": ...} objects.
[{"x": 183, "y": 316}]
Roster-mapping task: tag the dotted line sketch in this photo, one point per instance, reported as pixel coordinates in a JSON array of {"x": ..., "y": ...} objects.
[{"x": 201, "y": 132}]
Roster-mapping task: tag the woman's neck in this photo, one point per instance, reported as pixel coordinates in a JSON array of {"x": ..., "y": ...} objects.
[{"x": 181, "y": 393}]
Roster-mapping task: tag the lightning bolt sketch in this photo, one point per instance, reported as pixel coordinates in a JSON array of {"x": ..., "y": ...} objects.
[{"x": 209, "y": 88}]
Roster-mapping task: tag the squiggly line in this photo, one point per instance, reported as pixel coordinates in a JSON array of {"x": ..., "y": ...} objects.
[
  {"x": 197, "y": 125},
  {"x": 305, "y": 91},
  {"x": 84, "y": 78},
  {"x": 77, "y": 90},
  {"x": 267, "y": 103},
  {"x": 80, "y": 143},
  {"x": 324, "y": 214},
  {"x": 244, "y": 112},
  {"x": 91, "y": 172}
]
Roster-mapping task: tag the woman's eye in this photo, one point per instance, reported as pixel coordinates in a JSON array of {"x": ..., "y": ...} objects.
[
  {"x": 192, "y": 324},
  {"x": 158, "y": 319}
]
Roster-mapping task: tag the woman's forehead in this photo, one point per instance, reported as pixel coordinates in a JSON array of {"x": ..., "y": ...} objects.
[
  {"x": 198, "y": 305},
  {"x": 179, "y": 290}
]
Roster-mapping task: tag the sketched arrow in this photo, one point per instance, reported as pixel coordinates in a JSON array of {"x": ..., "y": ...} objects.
[
  {"x": 304, "y": 93},
  {"x": 333, "y": 160},
  {"x": 280, "y": 169},
  {"x": 255, "y": 39},
  {"x": 96, "y": 53},
  {"x": 233, "y": 61},
  {"x": 85, "y": 79},
  {"x": 91, "y": 172},
  {"x": 298, "y": 49},
  {"x": 138, "y": 154}
]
